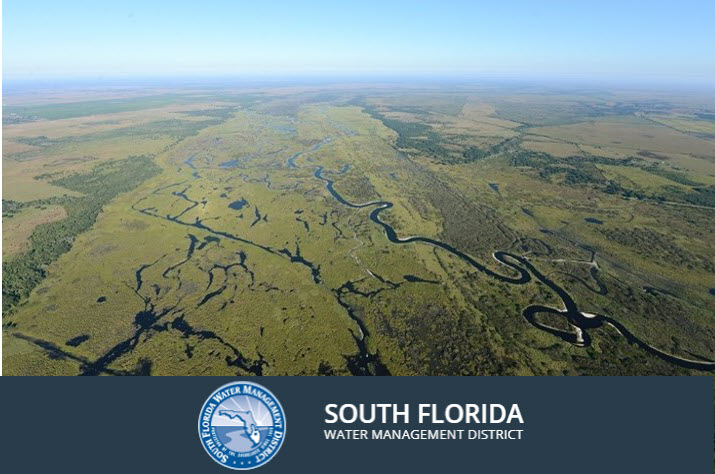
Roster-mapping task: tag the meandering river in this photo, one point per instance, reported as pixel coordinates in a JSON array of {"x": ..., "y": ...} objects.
[{"x": 522, "y": 272}]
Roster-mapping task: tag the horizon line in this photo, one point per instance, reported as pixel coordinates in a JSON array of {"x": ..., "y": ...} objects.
[{"x": 347, "y": 77}]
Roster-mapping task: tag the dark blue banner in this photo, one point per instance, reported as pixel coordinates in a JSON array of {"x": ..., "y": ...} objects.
[{"x": 358, "y": 425}]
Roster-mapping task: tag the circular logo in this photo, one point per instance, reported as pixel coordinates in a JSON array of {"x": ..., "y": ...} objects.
[{"x": 242, "y": 425}]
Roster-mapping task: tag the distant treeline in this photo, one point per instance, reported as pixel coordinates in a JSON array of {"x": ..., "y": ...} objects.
[
  {"x": 48, "y": 241},
  {"x": 21, "y": 113},
  {"x": 422, "y": 138},
  {"x": 582, "y": 170}
]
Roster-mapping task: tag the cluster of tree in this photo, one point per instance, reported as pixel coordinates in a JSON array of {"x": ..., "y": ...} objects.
[
  {"x": 223, "y": 113},
  {"x": 12, "y": 118},
  {"x": 583, "y": 175},
  {"x": 412, "y": 135},
  {"x": 171, "y": 127},
  {"x": 532, "y": 159},
  {"x": 474, "y": 153},
  {"x": 577, "y": 171},
  {"x": 706, "y": 116},
  {"x": 10, "y": 208},
  {"x": 674, "y": 176},
  {"x": 41, "y": 140},
  {"x": 700, "y": 196},
  {"x": 614, "y": 187},
  {"x": 659, "y": 246},
  {"x": 422, "y": 138},
  {"x": 48, "y": 241}
]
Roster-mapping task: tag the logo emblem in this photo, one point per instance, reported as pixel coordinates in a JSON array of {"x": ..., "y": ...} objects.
[{"x": 242, "y": 425}]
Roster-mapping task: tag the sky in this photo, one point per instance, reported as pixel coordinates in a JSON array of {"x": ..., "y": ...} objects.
[{"x": 651, "y": 40}]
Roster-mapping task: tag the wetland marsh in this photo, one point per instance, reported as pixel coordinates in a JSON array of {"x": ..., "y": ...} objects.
[{"x": 360, "y": 231}]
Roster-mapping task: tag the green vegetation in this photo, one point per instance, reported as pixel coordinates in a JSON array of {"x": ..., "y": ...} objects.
[
  {"x": 10, "y": 208},
  {"x": 223, "y": 113},
  {"x": 36, "y": 141},
  {"x": 412, "y": 135},
  {"x": 474, "y": 153},
  {"x": 96, "y": 107},
  {"x": 173, "y": 128},
  {"x": 216, "y": 250},
  {"x": 578, "y": 171},
  {"x": 705, "y": 116},
  {"x": 19, "y": 114},
  {"x": 659, "y": 246},
  {"x": 700, "y": 196},
  {"x": 49, "y": 241},
  {"x": 421, "y": 138},
  {"x": 574, "y": 171},
  {"x": 675, "y": 176}
]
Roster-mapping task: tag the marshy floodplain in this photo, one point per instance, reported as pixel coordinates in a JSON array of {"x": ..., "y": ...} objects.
[{"x": 364, "y": 230}]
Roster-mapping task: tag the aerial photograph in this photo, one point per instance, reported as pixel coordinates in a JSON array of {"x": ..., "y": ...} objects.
[{"x": 372, "y": 188}]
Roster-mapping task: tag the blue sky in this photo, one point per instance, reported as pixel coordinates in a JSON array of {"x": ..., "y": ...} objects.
[{"x": 600, "y": 39}]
